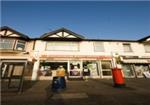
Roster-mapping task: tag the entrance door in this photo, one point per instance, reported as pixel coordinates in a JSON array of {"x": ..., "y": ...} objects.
[
  {"x": 11, "y": 69},
  {"x": 14, "y": 72},
  {"x": 106, "y": 68}
]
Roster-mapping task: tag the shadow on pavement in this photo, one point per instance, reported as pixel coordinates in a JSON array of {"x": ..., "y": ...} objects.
[
  {"x": 28, "y": 84},
  {"x": 14, "y": 86},
  {"x": 50, "y": 94}
]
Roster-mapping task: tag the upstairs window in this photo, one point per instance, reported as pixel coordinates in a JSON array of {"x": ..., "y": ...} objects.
[
  {"x": 9, "y": 44},
  {"x": 98, "y": 46},
  {"x": 20, "y": 45},
  {"x": 127, "y": 48},
  {"x": 6, "y": 43},
  {"x": 147, "y": 48},
  {"x": 62, "y": 46}
]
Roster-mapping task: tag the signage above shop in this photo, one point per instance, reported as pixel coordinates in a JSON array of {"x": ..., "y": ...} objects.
[
  {"x": 146, "y": 61},
  {"x": 76, "y": 56}
]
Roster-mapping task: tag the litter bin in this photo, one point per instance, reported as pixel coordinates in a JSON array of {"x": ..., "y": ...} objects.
[
  {"x": 118, "y": 77},
  {"x": 58, "y": 83}
]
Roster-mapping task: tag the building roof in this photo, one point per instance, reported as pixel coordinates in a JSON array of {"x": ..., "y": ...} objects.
[
  {"x": 145, "y": 38},
  {"x": 23, "y": 36},
  {"x": 111, "y": 40},
  {"x": 62, "y": 33}
]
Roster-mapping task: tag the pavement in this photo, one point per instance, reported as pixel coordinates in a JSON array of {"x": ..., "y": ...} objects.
[{"x": 79, "y": 92}]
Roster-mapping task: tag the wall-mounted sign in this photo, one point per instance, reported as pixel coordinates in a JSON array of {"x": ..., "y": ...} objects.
[{"x": 76, "y": 56}]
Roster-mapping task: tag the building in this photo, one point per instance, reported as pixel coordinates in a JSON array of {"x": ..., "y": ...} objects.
[{"x": 42, "y": 56}]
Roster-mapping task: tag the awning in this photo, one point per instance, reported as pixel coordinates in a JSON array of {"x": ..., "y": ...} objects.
[{"x": 139, "y": 61}]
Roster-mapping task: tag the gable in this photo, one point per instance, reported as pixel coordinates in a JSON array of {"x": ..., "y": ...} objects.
[
  {"x": 148, "y": 39},
  {"x": 145, "y": 39},
  {"x": 9, "y": 32},
  {"x": 61, "y": 34}
]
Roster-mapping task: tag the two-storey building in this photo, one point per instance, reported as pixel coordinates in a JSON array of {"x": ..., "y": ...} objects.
[{"x": 76, "y": 53}]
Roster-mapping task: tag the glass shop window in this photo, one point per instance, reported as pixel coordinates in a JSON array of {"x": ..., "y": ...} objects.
[
  {"x": 45, "y": 69},
  {"x": 106, "y": 68},
  {"x": 128, "y": 70},
  {"x": 75, "y": 68},
  {"x": 139, "y": 69},
  {"x": 92, "y": 66}
]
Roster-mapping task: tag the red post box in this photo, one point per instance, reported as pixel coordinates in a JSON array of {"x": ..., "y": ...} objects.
[{"x": 118, "y": 77}]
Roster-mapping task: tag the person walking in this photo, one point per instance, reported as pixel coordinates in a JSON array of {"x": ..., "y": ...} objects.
[
  {"x": 60, "y": 73},
  {"x": 86, "y": 73}
]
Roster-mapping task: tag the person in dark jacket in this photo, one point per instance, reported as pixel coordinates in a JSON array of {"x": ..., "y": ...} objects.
[{"x": 86, "y": 73}]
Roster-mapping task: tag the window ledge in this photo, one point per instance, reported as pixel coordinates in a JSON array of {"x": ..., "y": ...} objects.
[{"x": 11, "y": 50}]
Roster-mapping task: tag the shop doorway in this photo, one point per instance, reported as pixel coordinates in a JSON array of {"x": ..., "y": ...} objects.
[{"x": 12, "y": 74}]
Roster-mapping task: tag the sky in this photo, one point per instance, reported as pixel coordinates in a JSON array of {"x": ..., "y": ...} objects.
[{"x": 127, "y": 20}]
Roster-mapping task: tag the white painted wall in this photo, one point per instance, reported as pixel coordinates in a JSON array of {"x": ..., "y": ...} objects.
[{"x": 87, "y": 48}]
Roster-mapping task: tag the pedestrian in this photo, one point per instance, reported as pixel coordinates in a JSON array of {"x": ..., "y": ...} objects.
[
  {"x": 86, "y": 73},
  {"x": 60, "y": 71}
]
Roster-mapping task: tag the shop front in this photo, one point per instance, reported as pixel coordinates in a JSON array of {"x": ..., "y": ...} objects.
[
  {"x": 135, "y": 67},
  {"x": 75, "y": 66},
  {"x": 47, "y": 68}
]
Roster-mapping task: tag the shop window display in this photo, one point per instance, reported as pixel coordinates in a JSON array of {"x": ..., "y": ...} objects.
[
  {"x": 139, "y": 69},
  {"x": 128, "y": 70},
  {"x": 49, "y": 68},
  {"x": 75, "y": 68},
  {"x": 90, "y": 68},
  {"x": 45, "y": 69}
]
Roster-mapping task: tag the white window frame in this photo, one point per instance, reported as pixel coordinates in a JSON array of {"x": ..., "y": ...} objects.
[
  {"x": 129, "y": 45},
  {"x": 99, "y": 45},
  {"x": 68, "y": 49},
  {"x": 21, "y": 44},
  {"x": 13, "y": 42},
  {"x": 106, "y": 69},
  {"x": 146, "y": 48}
]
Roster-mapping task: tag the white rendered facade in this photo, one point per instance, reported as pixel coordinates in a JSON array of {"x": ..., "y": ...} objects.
[{"x": 63, "y": 47}]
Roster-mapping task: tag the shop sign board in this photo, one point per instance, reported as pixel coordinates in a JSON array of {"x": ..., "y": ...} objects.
[{"x": 76, "y": 56}]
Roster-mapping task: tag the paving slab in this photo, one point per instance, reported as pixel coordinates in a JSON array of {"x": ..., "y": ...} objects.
[
  {"x": 70, "y": 96},
  {"x": 91, "y": 92}
]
